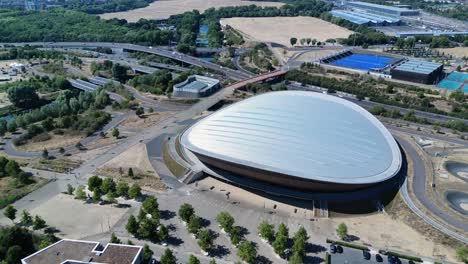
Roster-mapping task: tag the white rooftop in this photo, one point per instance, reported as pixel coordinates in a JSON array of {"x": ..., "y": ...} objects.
[{"x": 303, "y": 134}]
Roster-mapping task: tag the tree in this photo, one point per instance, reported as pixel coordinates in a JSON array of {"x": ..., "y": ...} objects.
[
  {"x": 163, "y": 233},
  {"x": 14, "y": 255},
  {"x": 299, "y": 243},
  {"x": 12, "y": 168},
  {"x": 342, "y": 231},
  {"x": 308, "y": 40},
  {"x": 94, "y": 183},
  {"x": 235, "y": 235},
  {"x": 96, "y": 196},
  {"x": 266, "y": 231},
  {"x": 10, "y": 212},
  {"x": 26, "y": 218},
  {"x": 45, "y": 154},
  {"x": 281, "y": 241},
  {"x": 225, "y": 220},
  {"x": 462, "y": 254},
  {"x": 302, "y": 41},
  {"x": 212, "y": 261},
  {"x": 134, "y": 191},
  {"x": 296, "y": 259},
  {"x": 23, "y": 96},
  {"x": 185, "y": 212},
  {"x": 115, "y": 133},
  {"x": 38, "y": 223},
  {"x": 168, "y": 257},
  {"x": 111, "y": 197},
  {"x": 122, "y": 188},
  {"x": 400, "y": 43},
  {"x": 132, "y": 225},
  {"x": 147, "y": 229},
  {"x": 80, "y": 193},
  {"x": 130, "y": 173},
  {"x": 140, "y": 111},
  {"x": 193, "y": 260},
  {"x": 150, "y": 206},
  {"x": 247, "y": 252},
  {"x": 293, "y": 41},
  {"x": 108, "y": 185},
  {"x": 194, "y": 224},
  {"x": 147, "y": 253},
  {"x": 205, "y": 240},
  {"x": 62, "y": 151},
  {"x": 114, "y": 239},
  {"x": 119, "y": 72},
  {"x": 70, "y": 189}
]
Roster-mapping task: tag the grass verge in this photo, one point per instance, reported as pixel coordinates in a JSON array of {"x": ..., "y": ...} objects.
[
  {"x": 175, "y": 168},
  {"x": 346, "y": 244}
]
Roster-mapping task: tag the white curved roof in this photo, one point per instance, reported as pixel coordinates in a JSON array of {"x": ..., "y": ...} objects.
[{"x": 303, "y": 134}]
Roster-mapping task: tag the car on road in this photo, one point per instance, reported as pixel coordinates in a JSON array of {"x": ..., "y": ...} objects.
[
  {"x": 378, "y": 258},
  {"x": 366, "y": 254},
  {"x": 332, "y": 248}
]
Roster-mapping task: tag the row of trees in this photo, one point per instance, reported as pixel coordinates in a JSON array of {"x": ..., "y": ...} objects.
[
  {"x": 194, "y": 226},
  {"x": 147, "y": 224},
  {"x": 107, "y": 187},
  {"x": 26, "y": 219},
  {"x": 247, "y": 251}
]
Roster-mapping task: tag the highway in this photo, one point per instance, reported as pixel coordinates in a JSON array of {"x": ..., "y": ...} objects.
[{"x": 233, "y": 74}]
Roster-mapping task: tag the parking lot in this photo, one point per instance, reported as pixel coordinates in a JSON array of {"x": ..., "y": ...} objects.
[{"x": 355, "y": 256}]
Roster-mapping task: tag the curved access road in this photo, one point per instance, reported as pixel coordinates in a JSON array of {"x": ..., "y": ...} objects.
[
  {"x": 233, "y": 74},
  {"x": 419, "y": 189},
  {"x": 11, "y": 150}
]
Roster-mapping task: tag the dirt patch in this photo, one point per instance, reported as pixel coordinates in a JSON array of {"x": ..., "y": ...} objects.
[
  {"x": 4, "y": 100},
  {"x": 55, "y": 142},
  {"x": 165, "y": 8},
  {"x": 457, "y": 52},
  {"x": 281, "y": 29},
  {"x": 147, "y": 120},
  {"x": 77, "y": 219},
  {"x": 136, "y": 158}
]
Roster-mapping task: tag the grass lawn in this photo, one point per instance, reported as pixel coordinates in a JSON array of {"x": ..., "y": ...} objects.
[
  {"x": 175, "y": 168},
  {"x": 9, "y": 193}
]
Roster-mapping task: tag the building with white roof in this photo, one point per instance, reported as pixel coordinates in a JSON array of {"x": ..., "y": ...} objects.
[{"x": 296, "y": 139}]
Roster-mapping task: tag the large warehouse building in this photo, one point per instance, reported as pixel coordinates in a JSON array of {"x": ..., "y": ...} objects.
[
  {"x": 366, "y": 19},
  {"x": 389, "y": 10},
  {"x": 287, "y": 139},
  {"x": 418, "y": 71}
]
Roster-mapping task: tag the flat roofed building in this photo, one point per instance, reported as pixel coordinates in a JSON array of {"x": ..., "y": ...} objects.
[
  {"x": 390, "y": 10},
  {"x": 78, "y": 251},
  {"x": 196, "y": 86},
  {"x": 418, "y": 71},
  {"x": 296, "y": 139},
  {"x": 368, "y": 19}
]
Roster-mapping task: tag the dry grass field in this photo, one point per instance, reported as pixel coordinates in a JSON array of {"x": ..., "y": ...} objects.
[
  {"x": 281, "y": 29},
  {"x": 164, "y": 8}
]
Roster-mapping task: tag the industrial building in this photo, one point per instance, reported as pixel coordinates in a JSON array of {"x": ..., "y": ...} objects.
[
  {"x": 366, "y": 19},
  {"x": 389, "y": 10},
  {"x": 80, "y": 251},
  {"x": 418, "y": 71},
  {"x": 285, "y": 140},
  {"x": 196, "y": 86}
]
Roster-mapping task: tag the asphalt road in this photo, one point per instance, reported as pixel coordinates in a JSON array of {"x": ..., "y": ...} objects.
[
  {"x": 233, "y": 74},
  {"x": 419, "y": 189}
]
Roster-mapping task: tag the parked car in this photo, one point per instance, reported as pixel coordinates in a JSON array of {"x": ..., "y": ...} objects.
[
  {"x": 332, "y": 248},
  {"x": 366, "y": 254}
]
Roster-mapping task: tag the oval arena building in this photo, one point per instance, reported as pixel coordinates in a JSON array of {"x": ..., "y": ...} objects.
[{"x": 301, "y": 140}]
